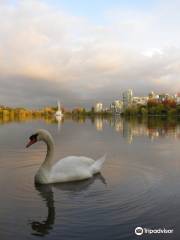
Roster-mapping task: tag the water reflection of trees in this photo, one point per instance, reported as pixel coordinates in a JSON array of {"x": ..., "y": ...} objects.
[
  {"x": 152, "y": 127},
  {"x": 4, "y": 119},
  {"x": 129, "y": 128}
]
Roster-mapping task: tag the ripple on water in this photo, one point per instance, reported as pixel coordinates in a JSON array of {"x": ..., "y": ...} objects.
[{"x": 91, "y": 202}]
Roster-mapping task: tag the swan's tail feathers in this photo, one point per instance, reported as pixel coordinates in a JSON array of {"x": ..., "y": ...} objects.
[{"x": 96, "y": 167}]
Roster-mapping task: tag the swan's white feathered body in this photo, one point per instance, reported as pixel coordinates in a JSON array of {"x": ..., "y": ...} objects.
[
  {"x": 75, "y": 168},
  {"x": 72, "y": 168}
]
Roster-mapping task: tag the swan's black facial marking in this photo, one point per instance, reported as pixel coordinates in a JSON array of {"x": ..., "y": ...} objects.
[{"x": 33, "y": 139}]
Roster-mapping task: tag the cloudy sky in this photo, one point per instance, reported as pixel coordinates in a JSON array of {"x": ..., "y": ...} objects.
[{"x": 83, "y": 51}]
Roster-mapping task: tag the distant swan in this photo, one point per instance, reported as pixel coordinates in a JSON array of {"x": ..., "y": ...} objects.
[{"x": 72, "y": 168}]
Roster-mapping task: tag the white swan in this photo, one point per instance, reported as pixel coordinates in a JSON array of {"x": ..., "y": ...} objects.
[{"x": 71, "y": 168}]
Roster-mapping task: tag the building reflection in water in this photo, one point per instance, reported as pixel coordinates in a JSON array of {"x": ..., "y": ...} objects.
[
  {"x": 117, "y": 123},
  {"x": 149, "y": 127},
  {"x": 98, "y": 123},
  {"x": 127, "y": 131},
  {"x": 154, "y": 127}
]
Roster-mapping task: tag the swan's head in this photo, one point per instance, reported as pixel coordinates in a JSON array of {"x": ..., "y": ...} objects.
[{"x": 39, "y": 135}]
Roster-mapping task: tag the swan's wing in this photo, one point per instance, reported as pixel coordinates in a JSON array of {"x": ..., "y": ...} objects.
[
  {"x": 73, "y": 161},
  {"x": 72, "y": 168}
]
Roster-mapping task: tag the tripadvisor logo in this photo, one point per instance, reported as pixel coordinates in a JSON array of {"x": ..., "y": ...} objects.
[{"x": 139, "y": 231}]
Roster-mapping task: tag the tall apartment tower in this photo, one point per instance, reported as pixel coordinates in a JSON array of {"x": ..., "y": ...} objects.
[
  {"x": 98, "y": 107},
  {"x": 127, "y": 98}
]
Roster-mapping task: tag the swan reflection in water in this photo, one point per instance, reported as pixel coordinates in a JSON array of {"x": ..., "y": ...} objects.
[{"x": 42, "y": 228}]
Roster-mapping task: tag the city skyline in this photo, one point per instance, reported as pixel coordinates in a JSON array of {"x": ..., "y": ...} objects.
[
  {"x": 82, "y": 52},
  {"x": 128, "y": 98}
]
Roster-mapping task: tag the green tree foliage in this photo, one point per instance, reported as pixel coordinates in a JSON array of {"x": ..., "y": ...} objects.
[{"x": 154, "y": 108}]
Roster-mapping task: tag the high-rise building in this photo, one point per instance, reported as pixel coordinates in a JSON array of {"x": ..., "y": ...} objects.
[
  {"x": 98, "y": 107},
  {"x": 116, "y": 107},
  {"x": 127, "y": 98}
]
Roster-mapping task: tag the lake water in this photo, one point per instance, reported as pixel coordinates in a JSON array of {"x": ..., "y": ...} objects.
[{"x": 139, "y": 184}]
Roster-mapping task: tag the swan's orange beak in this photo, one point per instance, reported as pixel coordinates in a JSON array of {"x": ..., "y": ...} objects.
[{"x": 31, "y": 142}]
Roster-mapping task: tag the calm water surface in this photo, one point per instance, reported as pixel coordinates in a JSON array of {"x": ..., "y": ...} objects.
[{"x": 139, "y": 184}]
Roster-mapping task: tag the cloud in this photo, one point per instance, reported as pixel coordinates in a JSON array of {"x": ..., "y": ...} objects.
[{"x": 46, "y": 53}]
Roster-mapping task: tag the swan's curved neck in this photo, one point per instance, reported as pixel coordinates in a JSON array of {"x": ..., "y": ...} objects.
[{"x": 47, "y": 164}]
